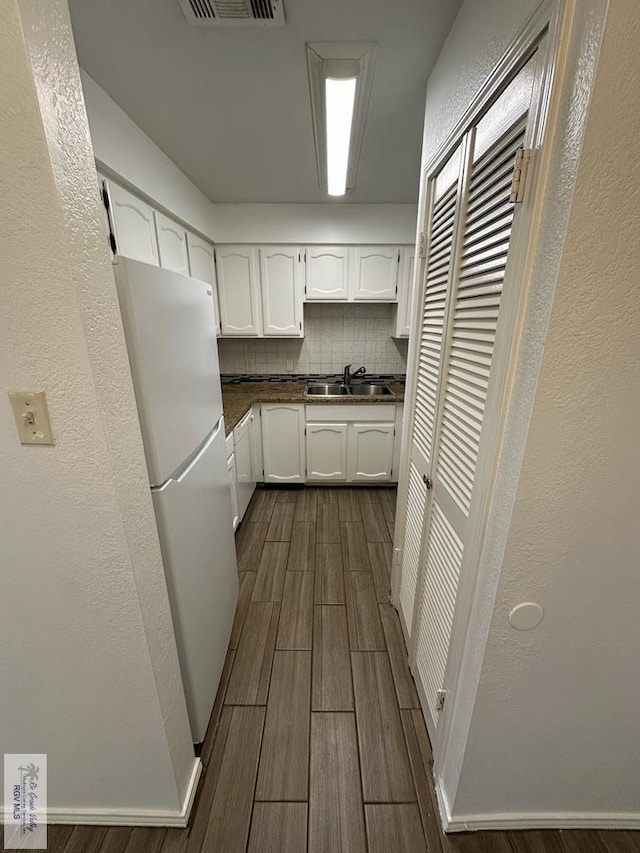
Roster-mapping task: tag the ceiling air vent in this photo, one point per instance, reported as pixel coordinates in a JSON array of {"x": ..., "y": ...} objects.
[{"x": 234, "y": 13}]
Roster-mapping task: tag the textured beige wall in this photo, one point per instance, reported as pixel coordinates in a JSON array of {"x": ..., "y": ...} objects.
[{"x": 85, "y": 675}]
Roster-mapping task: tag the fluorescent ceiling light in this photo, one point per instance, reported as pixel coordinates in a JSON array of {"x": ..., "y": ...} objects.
[
  {"x": 340, "y": 78},
  {"x": 340, "y": 97}
]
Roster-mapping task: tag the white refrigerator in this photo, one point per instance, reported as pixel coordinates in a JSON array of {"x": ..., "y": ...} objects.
[{"x": 171, "y": 339}]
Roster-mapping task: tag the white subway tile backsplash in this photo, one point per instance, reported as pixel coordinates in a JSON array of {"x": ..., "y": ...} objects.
[{"x": 335, "y": 335}]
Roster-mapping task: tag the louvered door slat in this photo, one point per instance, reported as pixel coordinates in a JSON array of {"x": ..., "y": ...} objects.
[{"x": 416, "y": 505}]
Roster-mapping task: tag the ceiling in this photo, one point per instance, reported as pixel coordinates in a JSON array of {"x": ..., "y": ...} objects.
[{"x": 230, "y": 106}]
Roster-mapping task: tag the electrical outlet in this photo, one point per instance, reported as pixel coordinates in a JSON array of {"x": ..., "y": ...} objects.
[{"x": 31, "y": 414}]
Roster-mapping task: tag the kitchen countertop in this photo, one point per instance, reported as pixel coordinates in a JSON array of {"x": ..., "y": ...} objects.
[{"x": 237, "y": 398}]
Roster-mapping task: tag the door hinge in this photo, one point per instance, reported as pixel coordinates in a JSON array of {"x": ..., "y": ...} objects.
[
  {"x": 442, "y": 695},
  {"x": 111, "y": 238},
  {"x": 422, "y": 246},
  {"x": 428, "y": 482},
  {"x": 520, "y": 168}
]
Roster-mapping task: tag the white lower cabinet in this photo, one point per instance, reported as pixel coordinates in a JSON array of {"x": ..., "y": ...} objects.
[
  {"x": 283, "y": 443},
  {"x": 370, "y": 452},
  {"x": 256, "y": 445},
  {"x": 326, "y": 451},
  {"x": 244, "y": 463}
]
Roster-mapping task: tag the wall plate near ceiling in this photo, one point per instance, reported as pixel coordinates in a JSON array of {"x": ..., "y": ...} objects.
[
  {"x": 340, "y": 81},
  {"x": 233, "y": 13}
]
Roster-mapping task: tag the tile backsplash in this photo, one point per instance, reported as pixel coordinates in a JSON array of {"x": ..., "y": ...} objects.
[{"x": 334, "y": 335}]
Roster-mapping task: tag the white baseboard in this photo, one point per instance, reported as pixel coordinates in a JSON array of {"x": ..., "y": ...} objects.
[
  {"x": 533, "y": 820},
  {"x": 135, "y": 817}
]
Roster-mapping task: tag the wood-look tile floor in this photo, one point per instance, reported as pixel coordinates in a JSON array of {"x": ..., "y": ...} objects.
[{"x": 316, "y": 741}]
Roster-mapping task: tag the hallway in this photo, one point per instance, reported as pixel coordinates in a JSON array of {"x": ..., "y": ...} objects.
[{"x": 317, "y": 742}]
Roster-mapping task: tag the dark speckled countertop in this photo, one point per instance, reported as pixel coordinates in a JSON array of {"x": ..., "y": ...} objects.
[{"x": 238, "y": 397}]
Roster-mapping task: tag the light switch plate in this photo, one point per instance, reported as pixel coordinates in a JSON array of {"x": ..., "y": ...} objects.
[{"x": 32, "y": 416}]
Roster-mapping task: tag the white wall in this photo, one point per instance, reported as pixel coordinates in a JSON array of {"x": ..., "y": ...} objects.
[
  {"x": 315, "y": 223},
  {"x": 89, "y": 671},
  {"x": 552, "y": 734},
  {"x": 124, "y": 151}
]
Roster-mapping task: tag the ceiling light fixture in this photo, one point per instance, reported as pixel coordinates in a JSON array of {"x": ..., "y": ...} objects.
[{"x": 340, "y": 77}]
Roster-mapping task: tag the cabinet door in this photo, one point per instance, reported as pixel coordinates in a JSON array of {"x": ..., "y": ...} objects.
[
  {"x": 370, "y": 452},
  {"x": 239, "y": 291},
  {"x": 133, "y": 223},
  {"x": 233, "y": 483},
  {"x": 283, "y": 443},
  {"x": 327, "y": 273},
  {"x": 405, "y": 290},
  {"x": 202, "y": 266},
  {"x": 374, "y": 273},
  {"x": 281, "y": 277},
  {"x": 326, "y": 451},
  {"x": 244, "y": 463},
  {"x": 172, "y": 244}
]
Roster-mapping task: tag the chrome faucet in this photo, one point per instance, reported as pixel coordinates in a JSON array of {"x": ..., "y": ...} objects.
[{"x": 347, "y": 376}]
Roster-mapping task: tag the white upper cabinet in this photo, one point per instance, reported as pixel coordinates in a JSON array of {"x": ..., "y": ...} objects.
[
  {"x": 172, "y": 244},
  {"x": 405, "y": 288},
  {"x": 374, "y": 273},
  {"x": 239, "y": 291},
  {"x": 281, "y": 278},
  {"x": 327, "y": 273},
  {"x": 202, "y": 266},
  {"x": 134, "y": 226}
]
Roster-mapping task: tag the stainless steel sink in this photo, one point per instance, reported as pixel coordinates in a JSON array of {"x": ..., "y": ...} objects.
[
  {"x": 371, "y": 389},
  {"x": 335, "y": 389},
  {"x": 326, "y": 389}
]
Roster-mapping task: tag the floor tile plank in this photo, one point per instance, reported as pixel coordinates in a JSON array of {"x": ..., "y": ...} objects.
[
  {"x": 228, "y": 827},
  {"x": 281, "y": 523},
  {"x": 273, "y": 565},
  {"x": 218, "y": 705},
  {"x": 349, "y": 505},
  {"x": 405, "y": 686},
  {"x": 369, "y": 495},
  {"x": 116, "y": 839},
  {"x": 89, "y": 839},
  {"x": 363, "y": 614},
  {"x": 388, "y": 505},
  {"x": 332, "y": 689},
  {"x": 302, "y": 549},
  {"x": 262, "y": 505},
  {"x": 206, "y": 792},
  {"x": 306, "y": 505},
  {"x": 247, "y": 582},
  {"x": 477, "y": 842},
  {"x": 380, "y": 561},
  {"x": 289, "y": 495},
  {"x": 536, "y": 841},
  {"x": 620, "y": 841},
  {"x": 249, "y": 541},
  {"x": 278, "y": 828},
  {"x": 284, "y": 760},
  {"x": 249, "y": 681},
  {"x": 394, "y": 827},
  {"x": 328, "y": 523},
  {"x": 328, "y": 495},
  {"x": 296, "y": 615},
  {"x": 420, "y": 758},
  {"x": 329, "y": 580},
  {"x": 386, "y": 774},
  {"x": 336, "y": 823},
  {"x": 375, "y": 525},
  {"x": 354, "y": 547}
]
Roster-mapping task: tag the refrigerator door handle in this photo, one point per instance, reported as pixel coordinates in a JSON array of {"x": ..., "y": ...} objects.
[{"x": 180, "y": 473}]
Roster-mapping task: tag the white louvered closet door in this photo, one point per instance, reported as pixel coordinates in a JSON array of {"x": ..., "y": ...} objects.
[
  {"x": 445, "y": 201},
  {"x": 458, "y": 396}
]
